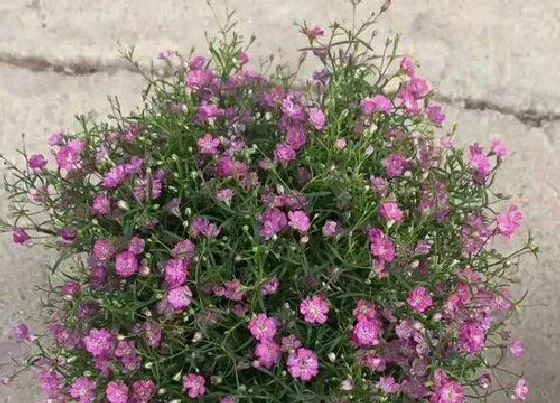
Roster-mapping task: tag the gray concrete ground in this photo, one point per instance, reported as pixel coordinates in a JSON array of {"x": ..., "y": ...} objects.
[{"x": 495, "y": 63}]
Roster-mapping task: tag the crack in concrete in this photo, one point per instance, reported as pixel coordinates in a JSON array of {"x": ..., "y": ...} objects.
[
  {"x": 529, "y": 117},
  {"x": 82, "y": 67}
]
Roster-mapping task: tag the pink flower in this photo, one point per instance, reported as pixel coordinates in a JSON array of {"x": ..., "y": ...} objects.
[
  {"x": 197, "y": 79},
  {"x": 83, "y": 390},
  {"x": 436, "y": 114},
  {"x": 271, "y": 287},
  {"x": 517, "y": 349},
  {"x": 52, "y": 382},
  {"x": 184, "y": 249},
  {"x": 388, "y": 384},
  {"x": 381, "y": 246},
  {"x": 472, "y": 338},
  {"x": 71, "y": 288},
  {"x": 479, "y": 161},
  {"x": 296, "y": 137},
  {"x": 366, "y": 332},
  {"x": 175, "y": 272},
  {"x": 379, "y": 185},
  {"x": 509, "y": 223},
  {"x": 521, "y": 389},
  {"x": 419, "y": 299},
  {"x": 103, "y": 250},
  {"x": 379, "y": 103},
  {"x": 395, "y": 165},
  {"x": 202, "y": 228},
  {"x": 317, "y": 118},
  {"x": 499, "y": 148},
  {"x": 117, "y": 392},
  {"x": 179, "y": 298},
  {"x": 101, "y": 204},
  {"x": 448, "y": 391},
  {"x": 299, "y": 221},
  {"x": 274, "y": 221},
  {"x": 116, "y": 176},
  {"x": 126, "y": 264},
  {"x": 315, "y": 309},
  {"x": 390, "y": 211},
  {"x": 136, "y": 245},
  {"x": 194, "y": 384},
  {"x": 268, "y": 353},
  {"x": 292, "y": 110},
  {"x": 144, "y": 390},
  {"x": 332, "y": 229},
  {"x": 69, "y": 157},
  {"x": 303, "y": 364},
  {"x": 37, "y": 163},
  {"x": 340, "y": 144},
  {"x": 284, "y": 153},
  {"x": 20, "y": 236},
  {"x": 418, "y": 87},
  {"x": 99, "y": 342},
  {"x": 262, "y": 327},
  {"x": 208, "y": 145},
  {"x": 408, "y": 67}
]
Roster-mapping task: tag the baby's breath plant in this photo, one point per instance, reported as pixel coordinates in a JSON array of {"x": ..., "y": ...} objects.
[{"x": 244, "y": 237}]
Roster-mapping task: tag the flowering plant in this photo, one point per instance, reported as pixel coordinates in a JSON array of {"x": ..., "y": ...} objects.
[{"x": 241, "y": 239}]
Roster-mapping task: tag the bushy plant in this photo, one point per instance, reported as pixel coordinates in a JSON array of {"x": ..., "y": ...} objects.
[{"x": 243, "y": 239}]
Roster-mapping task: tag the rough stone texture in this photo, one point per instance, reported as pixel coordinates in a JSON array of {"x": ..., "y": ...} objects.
[{"x": 495, "y": 62}]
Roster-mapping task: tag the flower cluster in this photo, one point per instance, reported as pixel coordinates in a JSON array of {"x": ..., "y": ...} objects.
[{"x": 245, "y": 240}]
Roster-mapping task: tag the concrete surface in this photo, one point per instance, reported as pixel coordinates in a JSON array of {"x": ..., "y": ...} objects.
[{"x": 495, "y": 63}]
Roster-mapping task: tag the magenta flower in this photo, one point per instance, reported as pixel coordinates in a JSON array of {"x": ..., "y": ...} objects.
[
  {"x": 71, "y": 289},
  {"x": 379, "y": 103},
  {"x": 472, "y": 338},
  {"x": 116, "y": 176},
  {"x": 83, "y": 390},
  {"x": 332, "y": 229},
  {"x": 303, "y": 364},
  {"x": 268, "y": 353},
  {"x": 144, "y": 390},
  {"x": 262, "y": 327},
  {"x": 20, "y": 236},
  {"x": 117, "y": 392},
  {"x": 284, "y": 153},
  {"x": 68, "y": 235},
  {"x": 99, "y": 342},
  {"x": 184, "y": 249},
  {"x": 296, "y": 137},
  {"x": 200, "y": 78},
  {"x": 516, "y": 349},
  {"x": 69, "y": 157},
  {"x": 176, "y": 272},
  {"x": 101, "y": 204},
  {"x": 179, "y": 298},
  {"x": 274, "y": 221},
  {"x": 381, "y": 246},
  {"x": 449, "y": 391},
  {"x": 194, "y": 384},
  {"x": 136, "y": 245},
  {"x": 315, "y": 309},
  {"x": 364, "y": 310},
  {"x": 37, "y": 163},
  {"x": 379, "y": 185},
  {"x": 479, "y": 161},
  {"x": 202, "y": 228},
  {"x": 103, "y": 250},
  {"x": 420, "y": 299},
  {"x": 390, "y": 211},
  {"x": 509, "y": 223},
  {"x": 521, "y": 389},
  {"x": 225, "y": 195},
  {"x": 52, "y": 382},
  {"x": 208, "y": 145},
  {"x": 317, "y": 118},
  {"x": 126, "y": 264},
  {"x": 292, "y": 110},
  {"x": 299, "y": 221},
  {"x": 395, "y": 165},
  {"x": 366, "y": 332}
]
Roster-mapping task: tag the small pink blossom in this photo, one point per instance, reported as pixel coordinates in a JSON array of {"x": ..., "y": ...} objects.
[
  {"x": 516, "y": 349},
  {"x": 419, "y": 299},
  {"x": 364, "y": 310},
  {"x": 388, "y": 384},
  {"x": 179, "y": 298},
  {"x": 83, "y": 390},
  {"x": 299, "y": 221},
  {"x": 262, "y": 327},
  {"x": 340, "y": 144},
  {"x": 390, "y": 211},
  {"x": 284, "y": 153},
  {"x": 175, "y": 272},
  {"x": 303, "y": 364},
  {"x": 117, "y": 392},
  {"x": 499, "y": 148},
  {"x": 22, "y": 334},
  {"x": 268, "y": 353},
  {"x": 315, "y": 310},
  {"x": 103, "y": 250},
  {"x": 194, "y": 384},
  {"x": 274, "y": 221},
  {"x": 101, "y": 204},
  {"x": 436, "y": 114},
  {"x": 366, "y": 332},
  {"x": 37, "y": 163},
  {"x": 510, "y": 222},
  {"x": 332, "y": 229},
  {"x": 395, "y": 165},
  {"x": 208, "y": 145},
  {"x": 290, "y": 343},
  {"x": 317, "y": 118},
  {"x": 144, "y": 390},
  {"x": 408, "y": 66},
  {"x": 126, "y": 264},
  {"x": 20, "y": 236},
  {"x": 271, "y": 287},
  {"x": 379, "y": 103}
]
